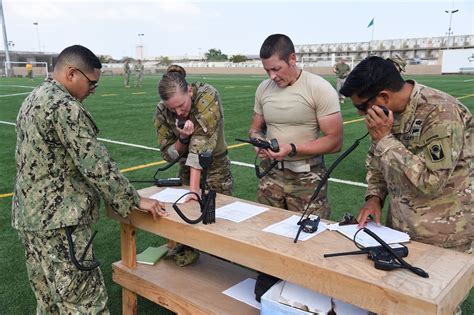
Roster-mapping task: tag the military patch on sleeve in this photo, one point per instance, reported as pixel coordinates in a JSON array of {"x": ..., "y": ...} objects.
[{"x": 436, "y": 152}]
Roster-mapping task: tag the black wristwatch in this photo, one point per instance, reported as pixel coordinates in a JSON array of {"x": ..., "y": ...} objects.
[
  {"x": 184, "y": 141},
  {"x": 293, "y": 150}
]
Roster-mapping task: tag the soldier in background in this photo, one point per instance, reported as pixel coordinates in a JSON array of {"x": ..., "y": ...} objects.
[
  {"x": 342, "y": 70},
  {"x": 301, "y": 111},
  {"x": 421, "y": 155},
  {"x": 399, "y": 62},
  {"x": 126, "y": 73},
  {"x": 199, "y": 106},
  {"x": 62, "y": 172},
  {"x": 139, "y": 69}
]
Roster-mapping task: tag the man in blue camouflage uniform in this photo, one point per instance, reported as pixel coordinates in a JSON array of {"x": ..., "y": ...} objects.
[
  {"x": 420, "y": 155},
  {"x": 62, "y": 171}
]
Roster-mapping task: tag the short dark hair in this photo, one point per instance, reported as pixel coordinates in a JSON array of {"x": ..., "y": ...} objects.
[
  {"x": 79, "y": 56},
  {"x": 277, "y": 44},
  {"x": 370, "y": 76}
]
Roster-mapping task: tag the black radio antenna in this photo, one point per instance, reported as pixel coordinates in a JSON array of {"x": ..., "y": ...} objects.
[{"x": 305, "y": 221}]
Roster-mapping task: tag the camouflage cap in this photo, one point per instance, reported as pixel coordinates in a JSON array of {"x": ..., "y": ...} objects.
[
  {"x": 184, "y": 255},
  {"x": 399, "y": 62}
]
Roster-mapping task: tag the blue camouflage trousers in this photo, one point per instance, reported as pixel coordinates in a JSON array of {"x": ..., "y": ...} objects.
[{"x": 59, "y": 287}]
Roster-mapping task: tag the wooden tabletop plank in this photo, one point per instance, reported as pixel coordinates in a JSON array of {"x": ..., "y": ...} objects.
[{"x": 352, "y": 279}]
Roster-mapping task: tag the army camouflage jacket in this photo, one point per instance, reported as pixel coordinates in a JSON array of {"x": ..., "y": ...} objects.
[
  {"x": 207, "y": 115},
  {"x": 342, "y": 70},
  {"x": 425, "y": 165},
  {"x": 62, "y": 170}
]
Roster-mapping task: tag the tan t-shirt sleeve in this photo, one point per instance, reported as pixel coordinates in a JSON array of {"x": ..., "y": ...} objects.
[
  {"x": 258, "y": 97},
  {"x": 326, "y": 98}
]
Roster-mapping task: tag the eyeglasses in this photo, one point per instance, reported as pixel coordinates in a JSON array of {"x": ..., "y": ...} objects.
[
  {"x": 92, "y": 83},
  {"x": 364, "y": 105}
]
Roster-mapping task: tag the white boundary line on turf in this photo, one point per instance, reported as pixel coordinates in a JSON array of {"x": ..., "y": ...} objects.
[
  {"x": 16, "y": 94},
  {"x": 129, "y": 144},
  {"x": 341, "y": 181},
  {"x": 103, "y": 139},
  {"x": 347, "y": 182},
  {"x": 7, "y": 123},
  {"x": 21, "y": 86}
]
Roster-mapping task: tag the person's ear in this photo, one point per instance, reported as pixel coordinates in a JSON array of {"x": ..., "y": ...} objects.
[
  {"x": 385, "y": 95},
  {"x": 190, "y": 90},
  {"x": 292, "y": 59},
  {"x": 69, "y": 73}
]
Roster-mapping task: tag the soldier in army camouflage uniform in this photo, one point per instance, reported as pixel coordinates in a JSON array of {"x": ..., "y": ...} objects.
[
  {"x": 420, "y": 155},
  {"x": 62, "y": 171},
  {"x": 399, "y": 62},
  {"x": 342, "y": 70},
  {"x": 294, "y": 107},
  {"x": 199, "y": 106},
  {"x": 139, "y": 69},
  {"x": 126, "y": 73}
]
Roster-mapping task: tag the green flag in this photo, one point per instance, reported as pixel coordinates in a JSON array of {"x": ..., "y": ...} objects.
[{"x": 371, "y": 23}]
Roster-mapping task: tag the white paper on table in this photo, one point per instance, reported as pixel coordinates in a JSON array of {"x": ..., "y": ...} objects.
[
  {"x": 244, "y": 292},
  {"x": 289, "y": 228},
  {"x": 170, "y": 195},
  {"x": 390, "y": 236},
  {"x": 239, "y": 211}
]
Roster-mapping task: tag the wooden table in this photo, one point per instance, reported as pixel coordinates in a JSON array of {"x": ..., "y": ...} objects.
[{"x": 197, "y": 289}]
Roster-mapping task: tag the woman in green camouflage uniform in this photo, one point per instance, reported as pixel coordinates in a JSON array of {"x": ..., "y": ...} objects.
[{"x": 199, "y": 106}]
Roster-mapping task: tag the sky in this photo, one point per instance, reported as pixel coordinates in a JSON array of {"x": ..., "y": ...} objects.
[{"x": 181, "y": 27}]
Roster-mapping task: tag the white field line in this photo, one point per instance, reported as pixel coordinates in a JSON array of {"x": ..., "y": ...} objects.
[
  {"x": 20, "y": 86},
  {"x": 129, "y": 144},
  {"x": 104, "y": 140},
  {"x": 7, "y": 123},
  {"x": 347, "y": 182},
  {"x": 341, "y": 181},
  {"x": 16, "y": 94}
]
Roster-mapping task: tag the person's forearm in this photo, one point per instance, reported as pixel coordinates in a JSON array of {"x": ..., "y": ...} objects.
[
  {"x": 323, "y": 145},
  {"x": 194, "y": 180},
  {"x": 182, "y": 145}
]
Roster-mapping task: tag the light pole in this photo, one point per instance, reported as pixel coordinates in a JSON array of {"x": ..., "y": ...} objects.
[
  {"x": 38, "y": 35},
  {"x": 451, "y": 12},
  {"x": 140, "y": 36}
]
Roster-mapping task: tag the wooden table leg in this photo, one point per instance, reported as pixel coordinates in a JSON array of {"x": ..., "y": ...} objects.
[
  {"x": 129, "y": 259},
  {"x": 129, "y": 302}
]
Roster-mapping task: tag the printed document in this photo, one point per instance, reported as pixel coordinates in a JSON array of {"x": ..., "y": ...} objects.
[
  {"x": 390, "y": 236},
  {"x": 239, "y": 211},
  {"x": 170, "y": 195},
  {"x": 289, "y": 228}
]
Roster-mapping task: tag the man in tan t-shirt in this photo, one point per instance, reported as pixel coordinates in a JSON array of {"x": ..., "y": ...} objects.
[{"x": 294, "y": 107}]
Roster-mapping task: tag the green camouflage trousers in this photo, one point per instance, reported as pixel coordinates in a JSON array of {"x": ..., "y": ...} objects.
[
  {"x": 286, "y": 189},
  {"x": 59, "y": 287},
  {"x": 219, "y": 177}
]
